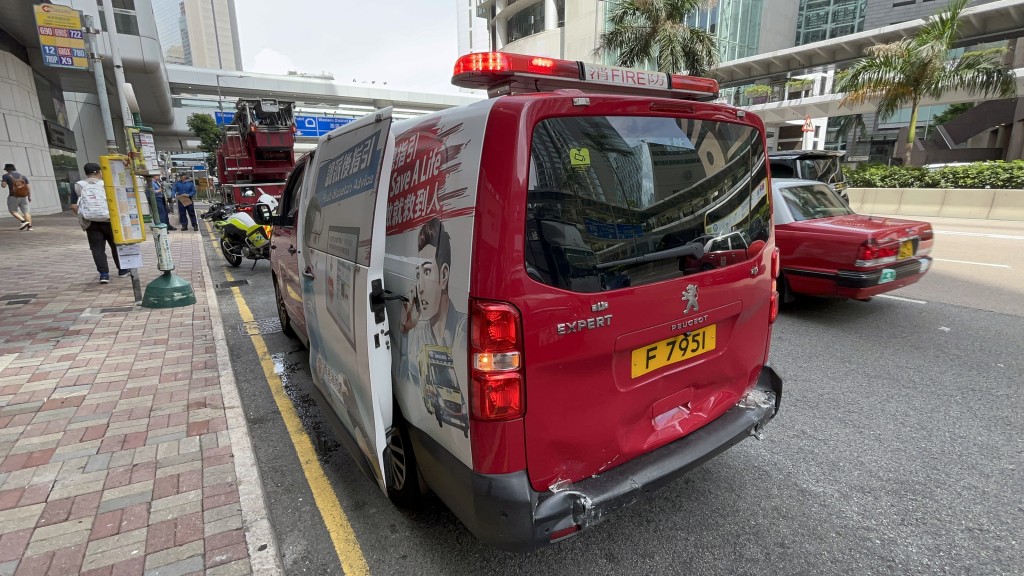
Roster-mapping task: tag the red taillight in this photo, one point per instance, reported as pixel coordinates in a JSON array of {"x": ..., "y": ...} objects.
[
  {"x": 775, "y": 264},
  {"x": 773, "y": 305},
  {"x": 927, "y": 234},
  {"x": 871, "y": 254},
  {"x": 496, "y": 365},
  {"x": 564, "y": 532},
  {"x": 497, "y": 396}
]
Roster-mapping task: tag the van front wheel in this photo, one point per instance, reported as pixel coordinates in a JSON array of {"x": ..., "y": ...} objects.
[{"x": 404, "y": 490}]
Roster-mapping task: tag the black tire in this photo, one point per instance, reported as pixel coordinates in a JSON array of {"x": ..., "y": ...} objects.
[
  {"x": 786, "y": 296},
  {"x": 404, "y": 474},
  {"x": 282, "y": 312},
  {"x": 234, "y": 259}
]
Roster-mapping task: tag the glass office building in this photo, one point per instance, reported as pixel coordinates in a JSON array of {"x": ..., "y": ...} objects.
[
  {"x": 825, "y": 19},
  {"x": 736, "y": 23}
]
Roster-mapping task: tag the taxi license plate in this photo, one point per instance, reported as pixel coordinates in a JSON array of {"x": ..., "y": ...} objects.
[
  {"x": 906, "y": 250},
  {"x": 673, "y": 350}
]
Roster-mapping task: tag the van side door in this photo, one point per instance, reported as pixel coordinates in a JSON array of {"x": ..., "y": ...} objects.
[
  {"x": 342, "y": 222},
  {"x": 285, "y": 258}
]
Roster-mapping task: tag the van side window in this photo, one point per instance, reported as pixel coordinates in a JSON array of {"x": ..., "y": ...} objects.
[{"x": 614, "y": 201}]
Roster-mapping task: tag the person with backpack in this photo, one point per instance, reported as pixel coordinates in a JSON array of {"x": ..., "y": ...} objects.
[
  {"x": 19, "y": 196},
  {"x": 184, "y": 193},
  {"x": 89, "y": 201}
]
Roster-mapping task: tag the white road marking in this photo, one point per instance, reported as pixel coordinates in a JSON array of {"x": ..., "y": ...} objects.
[
  {"x": 980, "y": 235},
  {"x": 902, "y": 299},
  {"x": 969, "y": 262}
]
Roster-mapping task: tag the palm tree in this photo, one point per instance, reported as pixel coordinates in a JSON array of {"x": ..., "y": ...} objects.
[
  {"x": 900, "y": 74},
  {"x": 643, "y": 30}
]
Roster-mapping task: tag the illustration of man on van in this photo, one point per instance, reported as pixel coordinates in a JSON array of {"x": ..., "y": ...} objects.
[{"x": 433, "y": 327}]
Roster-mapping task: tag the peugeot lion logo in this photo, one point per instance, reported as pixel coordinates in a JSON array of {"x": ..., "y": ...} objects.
[{"x": 690, "y": 296}]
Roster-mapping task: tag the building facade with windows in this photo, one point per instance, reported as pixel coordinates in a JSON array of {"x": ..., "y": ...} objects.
[
  {"x": 201, "y": 33},
  {"x": 570, "y": 29},
  {"x": 471, "y": 29}
]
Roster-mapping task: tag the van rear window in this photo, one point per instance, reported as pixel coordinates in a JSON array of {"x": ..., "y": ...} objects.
[{"x": 617, "y": 201}]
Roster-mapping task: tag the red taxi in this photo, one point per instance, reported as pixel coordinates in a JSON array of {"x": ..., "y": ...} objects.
[{"x": 828, "y": 250}]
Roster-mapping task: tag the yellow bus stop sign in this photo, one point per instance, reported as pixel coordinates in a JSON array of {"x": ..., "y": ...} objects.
[{"x": 122, "y": 199}]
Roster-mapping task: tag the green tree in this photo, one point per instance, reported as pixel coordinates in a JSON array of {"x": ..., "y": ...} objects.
[
  {"x": 900, "y": 74},
  {"x": 205, "y": 128},
  {"x": 951, "y": 112},
  {"x": 640, "y": 31}
]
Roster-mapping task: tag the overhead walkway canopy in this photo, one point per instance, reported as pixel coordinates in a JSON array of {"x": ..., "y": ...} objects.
[
  {"x": 794, "y": 111},
  {"x": 233, "y": 85},
  {"x": 986, "y": 23}
]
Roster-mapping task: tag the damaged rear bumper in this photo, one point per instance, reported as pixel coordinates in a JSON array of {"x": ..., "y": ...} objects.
[{"x": 504, "y": 510}]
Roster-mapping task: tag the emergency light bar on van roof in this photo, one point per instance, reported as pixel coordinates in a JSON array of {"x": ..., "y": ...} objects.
[{"x": 503, "y": 73}]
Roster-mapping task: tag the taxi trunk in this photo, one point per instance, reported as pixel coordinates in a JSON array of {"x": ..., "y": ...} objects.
[{"x": 625, "y": 348}]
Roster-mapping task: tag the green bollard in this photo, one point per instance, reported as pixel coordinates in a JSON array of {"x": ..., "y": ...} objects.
[{"x": 168, "y": 290}]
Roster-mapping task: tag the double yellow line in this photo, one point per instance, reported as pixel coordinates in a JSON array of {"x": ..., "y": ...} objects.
[{"x": 346, "y": 546}]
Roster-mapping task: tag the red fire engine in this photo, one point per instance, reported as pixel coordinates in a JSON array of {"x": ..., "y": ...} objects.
[{"x": 257, "y": 152}]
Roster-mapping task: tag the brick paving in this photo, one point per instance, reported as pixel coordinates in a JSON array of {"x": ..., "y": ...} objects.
[{"x": 115, "y": 453}]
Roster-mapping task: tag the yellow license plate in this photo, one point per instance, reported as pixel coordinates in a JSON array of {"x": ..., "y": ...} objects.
[
  {"x": 673, "y": 350},
  {"x": 906, "y": 250}
]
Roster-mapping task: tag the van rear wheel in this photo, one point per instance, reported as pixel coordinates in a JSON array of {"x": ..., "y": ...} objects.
[
  {"x": 282, "y": 312},
  {"x": 404, "y": 490}
]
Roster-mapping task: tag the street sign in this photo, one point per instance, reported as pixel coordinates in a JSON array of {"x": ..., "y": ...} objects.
[
  {"x": 60, "y": 36},
  {"x": 223, "y": 118},
  {"x": 122, "y": 199},
  {"x": 325, "y": 125},
  {"x": 198, "y": 168},
  {"x": 306, "y": 126}
]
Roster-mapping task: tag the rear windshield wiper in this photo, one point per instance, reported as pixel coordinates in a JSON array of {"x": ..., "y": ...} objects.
[{"x": 693, "y": 249}]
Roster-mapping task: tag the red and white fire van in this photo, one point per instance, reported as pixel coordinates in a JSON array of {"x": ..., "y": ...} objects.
[{"x": 500, "y": 299}]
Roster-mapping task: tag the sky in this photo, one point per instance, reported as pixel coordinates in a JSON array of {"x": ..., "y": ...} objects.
[{"x": 410, "y": 44}]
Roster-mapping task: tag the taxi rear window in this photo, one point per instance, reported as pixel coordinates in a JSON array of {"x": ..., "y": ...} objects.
[{"x": 617, "y": 201}]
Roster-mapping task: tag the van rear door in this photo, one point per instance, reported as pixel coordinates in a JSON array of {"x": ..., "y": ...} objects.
[
  {"x": 342, "y": 260},
  {"x": 627, "y": 344}
]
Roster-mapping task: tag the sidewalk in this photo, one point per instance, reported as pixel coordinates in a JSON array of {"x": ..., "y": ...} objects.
[{"x": 122, "y": 449}]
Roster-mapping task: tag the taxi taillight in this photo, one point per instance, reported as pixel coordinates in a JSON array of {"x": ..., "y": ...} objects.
[
  {"x": 870, "y": 253},
  {"x": 496, "y": 362},
  {"x": 773, "y": 303}
]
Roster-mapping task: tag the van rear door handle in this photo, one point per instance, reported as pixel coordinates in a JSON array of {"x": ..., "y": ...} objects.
[
  {"x": 292, "y": 250},
  {"x": 308, "y": 273}
]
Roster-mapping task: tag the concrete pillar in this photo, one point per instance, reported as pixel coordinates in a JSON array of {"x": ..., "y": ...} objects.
[
  {"x": 550, "y": 15},
  {"x": 22, "y": 135},
  {"x": 1015, "y": 147}
]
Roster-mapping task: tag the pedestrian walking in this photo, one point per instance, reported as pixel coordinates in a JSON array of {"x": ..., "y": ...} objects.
[
  {"x": 184, "y": 193},
  {"x": 168, "y": 184},
  {"x": 89, "y": 201},
  {"x": 19, "y": 196},
  {"x": 161, "y": 204}
]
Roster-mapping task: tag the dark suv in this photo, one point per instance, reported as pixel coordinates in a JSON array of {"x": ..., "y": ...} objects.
[{"x": 821, "y": 165}]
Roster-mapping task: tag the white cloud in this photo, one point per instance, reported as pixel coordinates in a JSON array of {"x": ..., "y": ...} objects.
[
  {"x": 270, "y": 61},
  {"x": 410, "y": 44}
]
